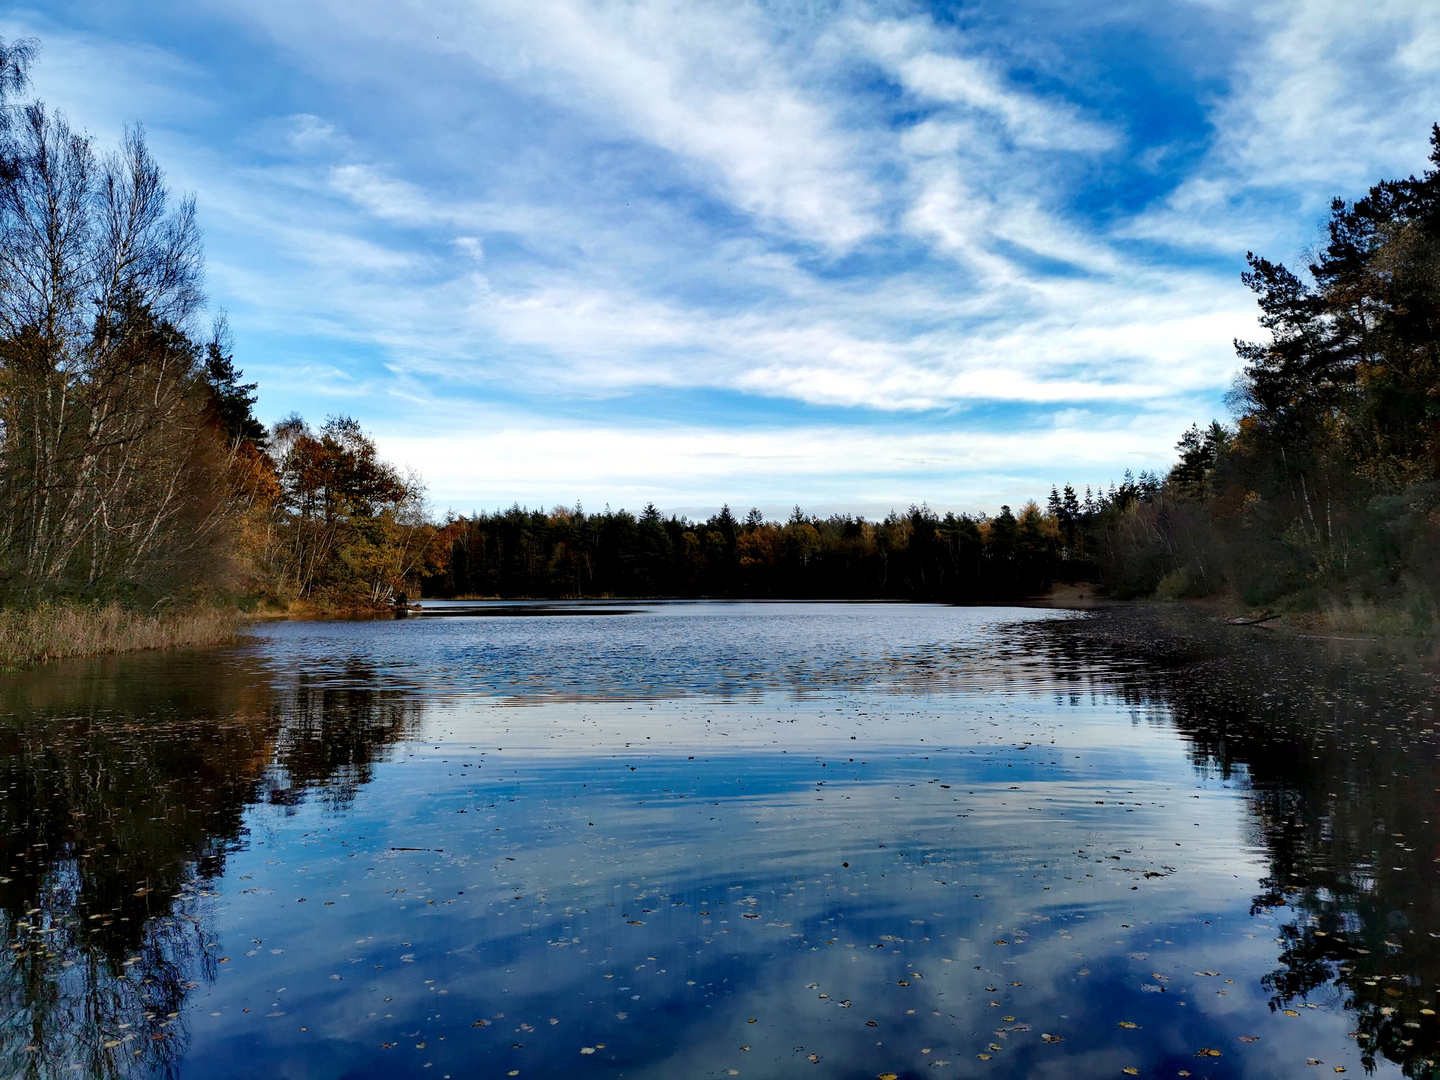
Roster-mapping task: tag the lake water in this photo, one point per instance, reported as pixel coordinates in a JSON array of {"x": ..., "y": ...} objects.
[{"x": 713, "y": 840}]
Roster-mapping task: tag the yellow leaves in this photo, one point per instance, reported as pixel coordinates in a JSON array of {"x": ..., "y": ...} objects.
[
  {"x": 1045, "y": 1036},
  {"x": 587, "y": 1049},
  {"x": 110, "y": 1044},
  {"x": 1206, "y": 1051},
  {"x": 1291, "y": 1012},
  {"x": 983, "y": 1057},
  {"x": 888, "y": 1076},
  {"x": 903, "y": 982},
  {"x": 814, "y": 1059},
  {"x": 1130, "y": 1024},
  {"x": 1008, "y": 1019},
  {"x": 1130, "y": 1070}
]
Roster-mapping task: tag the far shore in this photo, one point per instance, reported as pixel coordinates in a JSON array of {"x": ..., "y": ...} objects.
[{"x": 65, "y": 629}]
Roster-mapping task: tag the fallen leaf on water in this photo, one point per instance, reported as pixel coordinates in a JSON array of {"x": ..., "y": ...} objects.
[
  {"x": 1128, "y": 1024},
  {"x": 1313, "y": 1061},
  {"x": 814, "y": 1059},
  {"x": 1249, "y": 1038},
  {"x": 983, "y": 1057},
  {"x": 1047, "y": 1037},
  {"x": 587, "y": 1049},
  {"x": 1130, "y": 1070},
  {"x": 1205, "y": 1051},
  {"x": 1291, "y": 1012},
  {"x": 1008, "y": 1019},
  {"x": 887, "y": 1076},
  {"x": 751, "y": 1020}
]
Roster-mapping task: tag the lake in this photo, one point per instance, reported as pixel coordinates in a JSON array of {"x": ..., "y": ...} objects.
[{"x": 724, "y": 839}]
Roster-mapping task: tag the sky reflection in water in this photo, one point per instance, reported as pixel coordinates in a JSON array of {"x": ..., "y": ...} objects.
[{"x": 714, "y": 840}]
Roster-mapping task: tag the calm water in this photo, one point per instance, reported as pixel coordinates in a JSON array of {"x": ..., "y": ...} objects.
[{"x": 690, "y": 840}]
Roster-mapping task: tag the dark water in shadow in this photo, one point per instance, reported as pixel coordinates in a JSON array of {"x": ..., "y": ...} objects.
[{"x": 716, "y": 840}]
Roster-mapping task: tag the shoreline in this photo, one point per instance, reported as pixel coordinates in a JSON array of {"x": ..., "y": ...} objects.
[
  {"x": 68, "y": 629},
  {"x": 56, "y": 630}
]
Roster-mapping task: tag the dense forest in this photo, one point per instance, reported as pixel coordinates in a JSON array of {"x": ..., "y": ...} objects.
[
  {"x": 133, "y": 468},
  {"x": 1326, "y": 492}
]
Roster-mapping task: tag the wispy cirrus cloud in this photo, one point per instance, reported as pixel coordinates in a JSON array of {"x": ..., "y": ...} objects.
[{"x": 974, "y": 256}]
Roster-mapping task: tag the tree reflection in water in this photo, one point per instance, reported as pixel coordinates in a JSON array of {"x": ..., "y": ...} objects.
[
  {"x": 1337, "y": 744},
  {"x": 125, "y": 784}
]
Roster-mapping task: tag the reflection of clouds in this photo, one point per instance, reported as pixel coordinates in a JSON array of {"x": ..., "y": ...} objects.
[
  {"x": 753, "y": 832},
  {"x": 1022, "y": 785},
  {"x": 667, "y": 650}
]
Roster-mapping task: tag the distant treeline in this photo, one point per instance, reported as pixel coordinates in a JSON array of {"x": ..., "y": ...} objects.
[{"x": 918, "y": 554}]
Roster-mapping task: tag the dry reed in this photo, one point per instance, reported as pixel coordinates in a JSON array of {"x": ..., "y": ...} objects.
[{"x": 50, "y": 631}]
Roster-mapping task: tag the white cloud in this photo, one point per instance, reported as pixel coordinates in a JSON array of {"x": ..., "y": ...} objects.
[
  {"x": 929, "y": 65},
  {"x": 562, "y": 201},
  {"x": 501, "y": 461},
  {"x": 1328, "y": 98}
]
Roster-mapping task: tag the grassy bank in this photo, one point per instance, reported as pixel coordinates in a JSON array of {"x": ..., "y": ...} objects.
[{"x": 54, "y": 630}]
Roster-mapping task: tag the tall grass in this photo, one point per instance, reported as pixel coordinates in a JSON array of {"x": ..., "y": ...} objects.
[{"x": 50, "y": 631}]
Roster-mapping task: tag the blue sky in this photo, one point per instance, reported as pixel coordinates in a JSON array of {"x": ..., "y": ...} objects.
[{"x": 845, "y": 255}]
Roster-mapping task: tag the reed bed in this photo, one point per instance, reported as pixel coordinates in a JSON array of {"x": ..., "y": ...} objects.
[{"x": 51, "y": 631}]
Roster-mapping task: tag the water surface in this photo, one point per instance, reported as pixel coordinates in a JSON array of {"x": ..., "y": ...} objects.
[{"x": 835, "y": 840}]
